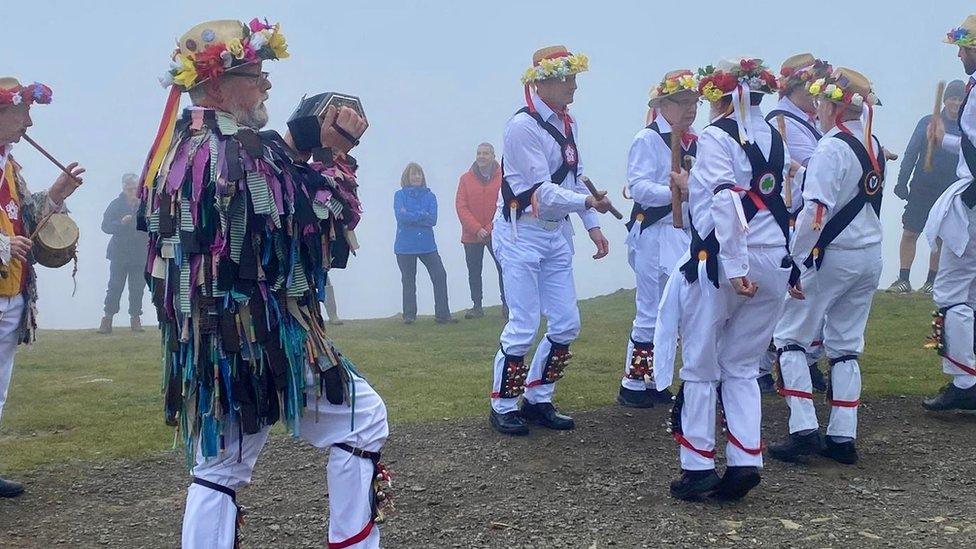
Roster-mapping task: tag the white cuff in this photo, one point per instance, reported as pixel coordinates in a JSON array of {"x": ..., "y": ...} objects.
[
  {"x": 4, "y": 249},
  {"x": 735, "y": 266}
]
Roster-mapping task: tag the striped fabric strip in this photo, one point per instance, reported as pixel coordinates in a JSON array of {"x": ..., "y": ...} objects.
[
  {"x": 321, "y": 211},
  {"x": 299, "y": 283},
  {"x": 257, "y": 187},
  {"x": 238, "y": 225},
  {"x": 226, "y": 124},
  {"x": 186, "y": 220},
  {"x": 185, "y": 285}
]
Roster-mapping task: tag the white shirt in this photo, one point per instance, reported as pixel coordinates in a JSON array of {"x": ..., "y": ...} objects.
[
  {"x": 649, "y": 168},
  {"x": 721, "y": 160},
  {"x": 949, "y": 218},
  {"x": 799, "y": 139},
  {"x": 531, "y": 156},
  {"x": 967, "y": 122},
  {"x": 833, "y": 179}
]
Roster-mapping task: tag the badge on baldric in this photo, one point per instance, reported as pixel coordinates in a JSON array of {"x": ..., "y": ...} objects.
[
  {"x": 767, "y": 183},
  {"x": 569, "y": 155},
  {"x": 873, "y": 182}
]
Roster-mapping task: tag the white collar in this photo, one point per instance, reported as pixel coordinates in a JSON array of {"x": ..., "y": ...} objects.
[
  {"x": 542, "y": 108},
  {"x": 663, "y": 125},
  {"x": 788, "y": 105}
]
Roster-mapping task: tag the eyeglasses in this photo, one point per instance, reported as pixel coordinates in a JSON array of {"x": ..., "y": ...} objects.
[{"x": 261, "y": 76}]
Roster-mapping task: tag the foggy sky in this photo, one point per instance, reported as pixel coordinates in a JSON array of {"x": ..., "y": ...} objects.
[{"x": 436, "y": 79}]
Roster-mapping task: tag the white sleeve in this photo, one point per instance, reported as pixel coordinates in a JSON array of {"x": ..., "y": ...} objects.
[
  {"x": 952, "y": 143},
  {"x": 824, "y": 175},
  {"x": 714, "y": 169},
  {"x": 526, "y": 166},
  {"x": 644, "y": 173}
]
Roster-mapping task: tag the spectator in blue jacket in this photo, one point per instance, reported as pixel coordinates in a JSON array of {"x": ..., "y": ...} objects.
[
  {"x": 126, "y": 255},
  {"x": 415, "y": 207}
]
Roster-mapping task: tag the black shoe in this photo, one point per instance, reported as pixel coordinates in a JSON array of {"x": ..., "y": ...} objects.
[
  {"x": 817, "y": 378},
  {"x": 509, "y": 423},
  {"x": 634, "y": 399},
  {"x": 797, "y": 446},
  {"x": 736, "y": 483},
  {"x": 475, "y": 312},
  {"x": 695, "y": 485},
  {"x": 841, "y": 452},
  {"x": 409, "y": 320},
  {"x": 446, "y": 320},
  {"x": 10, "y": 489},
  {"x": 951, "y": 397},
  {"x": 766, "y": 384},
  {"x": 660, "y": 397},
  {"x": 546, "y": 415}
]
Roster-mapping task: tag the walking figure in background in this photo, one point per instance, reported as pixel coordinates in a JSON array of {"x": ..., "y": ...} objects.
[{"x": 126, "y": 255}]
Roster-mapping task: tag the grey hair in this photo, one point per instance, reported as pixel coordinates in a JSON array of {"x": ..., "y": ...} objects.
[
  {"x": 487, "y": 144},
  {"x": 130, "y": 177}
]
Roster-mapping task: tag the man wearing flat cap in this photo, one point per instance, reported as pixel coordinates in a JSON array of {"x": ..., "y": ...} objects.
[
  {"x": 532, "y": 239},
  {"x": 654, "y": 244},
  {"x": 837, "y": 246},
  {"x": 20, "y": 213},
  {"x": 953, "y": 220},
  {"x": 241, "y": 235}
]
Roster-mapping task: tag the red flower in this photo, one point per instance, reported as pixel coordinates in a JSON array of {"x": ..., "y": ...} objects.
[
  {"x": 787, "y": 72},
  {"x": 256, "y": 25},
  {"x": 208, "y": 63},
  {"x": 769, "y": 79},
  {"x": 748, "y": 65},
  {"x": 725, "y": 81}
]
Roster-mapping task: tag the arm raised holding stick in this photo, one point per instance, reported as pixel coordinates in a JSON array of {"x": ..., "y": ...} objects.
[{"x": 936, "y": 113}]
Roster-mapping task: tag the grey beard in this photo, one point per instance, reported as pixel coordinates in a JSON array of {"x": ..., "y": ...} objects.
[{"x": 255, "y": 118}]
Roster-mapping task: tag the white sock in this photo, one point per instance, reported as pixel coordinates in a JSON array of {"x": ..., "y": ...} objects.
[{"x": 964, "y": 381}]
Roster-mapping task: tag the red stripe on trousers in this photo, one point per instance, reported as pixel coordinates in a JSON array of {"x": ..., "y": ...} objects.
[
  {"x": 353, "y": 540},
  {"x": 680, "y": 439}
]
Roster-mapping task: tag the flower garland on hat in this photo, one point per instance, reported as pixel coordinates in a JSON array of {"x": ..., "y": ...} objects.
[
  {"x": 685, "y": 81},
  {"x": 557, "y": 67},
  {"x": 960, "y": 36},
  {"x": 261, "y": 42},
  {"x": 33, "y": 93},
  {"x": 715, "y": 83},
  {"x": 831, "y": 88},
  {"x": 837, "y": 88},
  {"x": 791, "y": 77}
]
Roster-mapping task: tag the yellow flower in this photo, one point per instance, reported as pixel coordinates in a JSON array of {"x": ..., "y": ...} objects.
[
  {"x": 548, "y": 65},
  {"x": 688, "y": 82},
  {"x": 277, "y": 43},
  {"x": 712, "y": 93},
  {"x": 186, "y": 75},
  {"x": 235, "y": 47},
  {"x": 670, "y": 86},
  {"x": 579, "y": 63},
  {"x": 529, "y": 75},
  {"x": 837, "y": 94},
  {"x": 815, "y": 88}
]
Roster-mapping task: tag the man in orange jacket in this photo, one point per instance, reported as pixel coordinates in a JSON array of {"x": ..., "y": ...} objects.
[{"x": 476, "y": 200}]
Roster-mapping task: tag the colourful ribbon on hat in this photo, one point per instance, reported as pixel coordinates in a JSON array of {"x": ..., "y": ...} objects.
[{"x": 164, "y": 136}]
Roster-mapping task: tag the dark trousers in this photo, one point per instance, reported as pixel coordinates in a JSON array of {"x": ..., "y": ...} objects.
[
  {"x": 474, "y": 255},
  {"x": 438, "y": 277},
  {"x": 119, "y": 272}
]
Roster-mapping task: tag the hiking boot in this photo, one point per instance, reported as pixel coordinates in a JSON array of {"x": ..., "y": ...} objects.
[
  {"x": 475, "y": 312},
  {"x": 546, "y": 415},
  {"x": 841, "y": 452},
  {"x": 737, "y": 482},
  {"x": 508, "y": 423},
  {"x": 135, "y": 324},
  {"x": 10, "y": 489},
  {"x": 106, "y": 326},
  {"x": 766, "y": 384},
  {"x": 695, "y": 485},
  {"x": 926, "y": 288},
  {"x": 951, "y": 397},
  {"x": 634, "y": 399},
  {"x": 797, "y": 446},
  {"x": 900, "y": 287},
  {"x": 817, "y": 378}
]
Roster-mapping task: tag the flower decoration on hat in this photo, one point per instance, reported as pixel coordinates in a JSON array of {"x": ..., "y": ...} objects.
[
  {"x": 962, "y": 36},
  {"x": 793, "y": 77},
  {"x": 560, "y": 65},
  {"x": 841, "y": 88},
  {"x": 674, "y": 82},
  {"x": 25, "y": 95},
  {"x": 211, "y": 49},
  {"x": 715, "y": 83}
]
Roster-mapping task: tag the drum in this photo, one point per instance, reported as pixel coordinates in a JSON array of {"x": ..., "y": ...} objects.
[{"x": 56, "y": 242}]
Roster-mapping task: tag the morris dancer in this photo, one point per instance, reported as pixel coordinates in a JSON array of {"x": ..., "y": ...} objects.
[
  {"x": 242, "y": 233},
  {"x": 654, "y": 243},
  {"x": 953, "y": 219},
  {"x": 733, "y": 284},
  {"x": 838, "y": 244},
  {"x": 532, "y": 239},
  {"x": 20, "y": 212}
]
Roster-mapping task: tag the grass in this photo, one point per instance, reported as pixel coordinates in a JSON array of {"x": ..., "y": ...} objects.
[{"x": 78, "y": 395}]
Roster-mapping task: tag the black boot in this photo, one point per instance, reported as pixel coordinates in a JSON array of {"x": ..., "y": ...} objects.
[
  {"x": 508, "y": 424},
  {"x": 634, "y": 399},
  {"x": 817, "y": 378},
  {"x": 660, "y": 397},
  {"x": 766, "y": 384},
  {"x": 546, "y": 415},
  {"x": 736, "y": 483},
  {"x": 10, "y": 489},
  {"x": 841, "y": 452},
  {"x": 797, "y": 446},
  {"x": 951, "y": 397},
  {"x": 695, "y": 485},
  {"x": 475, "y": 312}
]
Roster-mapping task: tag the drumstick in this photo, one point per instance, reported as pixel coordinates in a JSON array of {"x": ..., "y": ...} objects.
[
  {"x": 51, "y": 158},
  {"x": 589, "y": 185},
  {"x": 788, "y": 190},
  {"x": 676, "y": 220},
  {"x": 936, "y": 111}
]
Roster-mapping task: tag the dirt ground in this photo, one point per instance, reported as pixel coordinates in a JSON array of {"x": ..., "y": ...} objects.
[{"x": 604, "y": 484}]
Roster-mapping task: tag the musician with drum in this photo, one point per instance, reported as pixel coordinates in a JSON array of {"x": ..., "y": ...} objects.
[{"x": 21, "y": 215}]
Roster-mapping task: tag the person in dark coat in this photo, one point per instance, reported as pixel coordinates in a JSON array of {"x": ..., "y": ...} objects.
[
  {"x": 126, "y": 255},
  {"x": 415, "y": 208}
]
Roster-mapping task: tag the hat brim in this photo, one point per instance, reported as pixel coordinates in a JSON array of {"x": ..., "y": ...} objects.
[{"x": 657, "y": 100}]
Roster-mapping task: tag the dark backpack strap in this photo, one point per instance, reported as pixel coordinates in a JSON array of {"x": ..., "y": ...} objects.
[
  {"x": 560, "y": 174},
  {"x": 869, "y": 191},
  {"x": 968, "y": 196},
  {"x": 510, "y": 200},
  {"x": 806, "y": 124}
]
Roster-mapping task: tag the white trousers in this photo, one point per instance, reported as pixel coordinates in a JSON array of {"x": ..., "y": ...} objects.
[
  {"x": 11, "y": 309},
  {"x": 537, "y": 268},
  {"x": 838, "y": 297},
  {"x": 955, "y": 283},
  {"x": 652, "y": 255},
  {"x": 722, "y": 333},
  {"x": 210, "y": 516}
]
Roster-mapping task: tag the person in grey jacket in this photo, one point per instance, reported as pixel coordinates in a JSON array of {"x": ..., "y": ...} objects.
[{"x": 126, "y": 255}]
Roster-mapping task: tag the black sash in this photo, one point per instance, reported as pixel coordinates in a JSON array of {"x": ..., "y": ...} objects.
[
  {"x": 702, "y": 249},
  {"x": 869, "y": 191},
  {"x": 806, "y": 124},
  {"x": 567, "y": 144},
  {"x": 652, "y": 214},
  {"x": 969, "y": 153}
]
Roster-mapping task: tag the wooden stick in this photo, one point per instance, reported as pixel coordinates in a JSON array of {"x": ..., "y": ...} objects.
[
  {"x": 589, "y": 185},
  {"x": 51, "y": 158},
  {"x": 936, "y": 111},
  {"x": 788, "y": 184},
  {"x": 676, "y": 220}
]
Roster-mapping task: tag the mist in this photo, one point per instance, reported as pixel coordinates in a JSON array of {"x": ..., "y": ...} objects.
[{"x": 436, "y": 79}]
